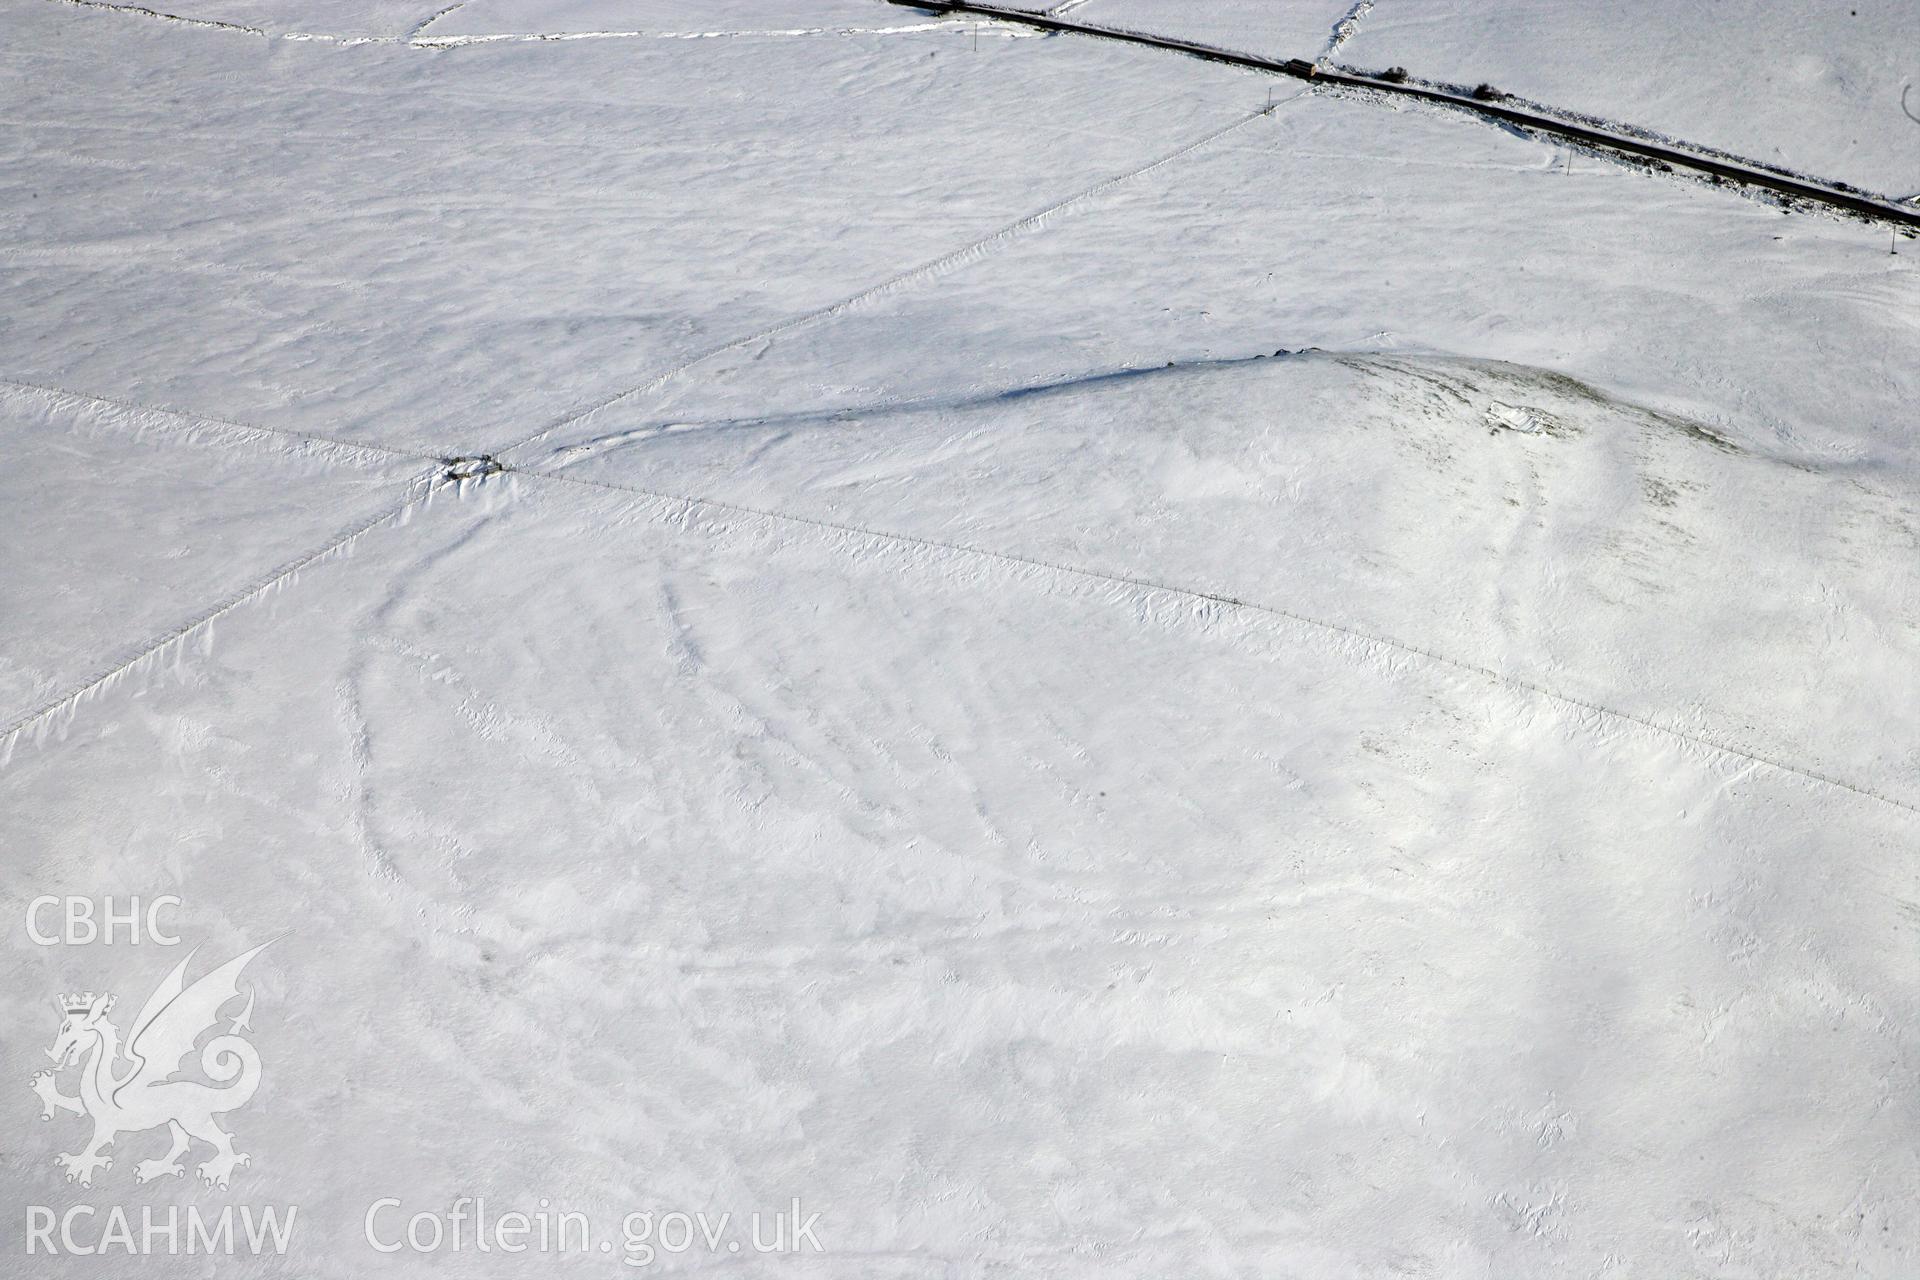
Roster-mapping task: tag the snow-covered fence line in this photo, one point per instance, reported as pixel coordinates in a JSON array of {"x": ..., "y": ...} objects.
[{"x": 1484, "y": 101}]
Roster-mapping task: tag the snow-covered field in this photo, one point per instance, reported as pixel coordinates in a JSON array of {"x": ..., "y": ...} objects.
[
  {"x": 1819, "y": 88},
  {"x": 1081, "y": 677}
]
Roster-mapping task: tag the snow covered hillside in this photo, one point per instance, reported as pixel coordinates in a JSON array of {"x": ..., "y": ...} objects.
[{"x": 785, "y": 608}]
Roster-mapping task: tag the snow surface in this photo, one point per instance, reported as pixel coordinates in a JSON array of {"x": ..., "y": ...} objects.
[
  {"x": 1815, "y": 88},
  {"x": 1832, "y": 91},
  {"x": 1090, "y": 680},
  {"x": 1286, "y": 29},
  {"x": 660, "y": 17}
]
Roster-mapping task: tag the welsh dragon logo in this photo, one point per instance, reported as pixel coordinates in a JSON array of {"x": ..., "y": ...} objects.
[{"x": 141, "y": 1094}]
